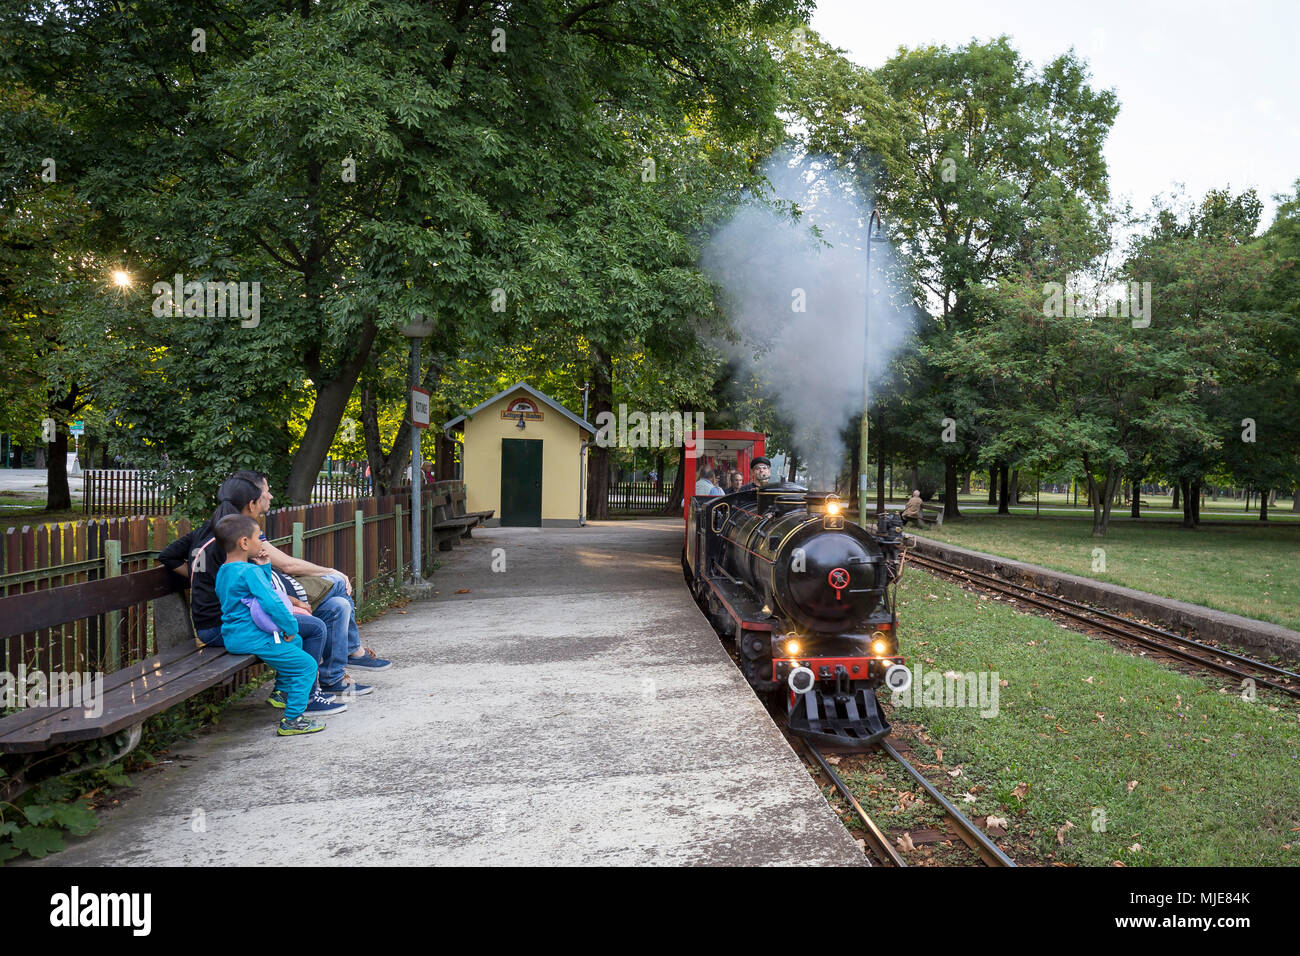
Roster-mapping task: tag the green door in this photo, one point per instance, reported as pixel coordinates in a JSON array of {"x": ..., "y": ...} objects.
[{"x": 521, "y": 482}]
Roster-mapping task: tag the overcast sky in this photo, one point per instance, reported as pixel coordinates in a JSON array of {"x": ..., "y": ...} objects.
[{"x": 1209, "y": 93}]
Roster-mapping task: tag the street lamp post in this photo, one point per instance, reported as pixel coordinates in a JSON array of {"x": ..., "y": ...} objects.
[
  {"x": 417, "y": 331},
  {"x": 876, "y": 236}
]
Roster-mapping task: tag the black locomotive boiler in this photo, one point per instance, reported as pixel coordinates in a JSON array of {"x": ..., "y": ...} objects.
[{"x": 806, "y": 597}]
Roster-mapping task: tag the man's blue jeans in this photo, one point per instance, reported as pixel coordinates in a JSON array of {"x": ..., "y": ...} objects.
[{"x": 340, "y": 615}]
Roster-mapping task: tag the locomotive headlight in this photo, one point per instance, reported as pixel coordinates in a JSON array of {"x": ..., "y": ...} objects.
[
  {"x": 879, "y": 644},
  {"x": 832, "y": 508},
  {"x": 792, "y": 648}
]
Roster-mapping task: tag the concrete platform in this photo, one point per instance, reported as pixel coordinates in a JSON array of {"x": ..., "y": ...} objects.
[{"x": 573, "y": 709}]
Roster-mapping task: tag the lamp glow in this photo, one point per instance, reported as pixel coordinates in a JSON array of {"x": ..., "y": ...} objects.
[{"x": 121, "y": 278}]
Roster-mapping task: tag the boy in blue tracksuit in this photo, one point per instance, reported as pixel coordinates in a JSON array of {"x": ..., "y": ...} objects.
[{"x": 239, "y": 580}]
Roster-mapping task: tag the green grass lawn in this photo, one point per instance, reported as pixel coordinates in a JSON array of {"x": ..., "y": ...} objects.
[
  {"x": 1148, "y": 766},
  {"x": 1254, "y": 571}
]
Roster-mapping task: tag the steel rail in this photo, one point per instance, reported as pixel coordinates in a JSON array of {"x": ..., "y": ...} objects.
[
  {"x": 876, "y": 839},
  {"x": 971, "y": 835},
  {"x": 1123, "y": 627}
]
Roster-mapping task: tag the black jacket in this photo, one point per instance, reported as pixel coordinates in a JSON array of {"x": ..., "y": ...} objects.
[{"x": 205, "y": 606}]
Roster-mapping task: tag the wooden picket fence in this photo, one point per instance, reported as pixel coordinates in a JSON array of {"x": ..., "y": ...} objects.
[{"x": 367, "y": 539}]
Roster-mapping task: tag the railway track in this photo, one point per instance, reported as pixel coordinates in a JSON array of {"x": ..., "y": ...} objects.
[
  {"x": 1166, "y": 642},
  {"x": 878, "y": 843}
]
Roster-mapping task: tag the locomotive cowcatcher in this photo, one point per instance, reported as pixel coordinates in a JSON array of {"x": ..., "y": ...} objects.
[{"x": 804, "y": 594}]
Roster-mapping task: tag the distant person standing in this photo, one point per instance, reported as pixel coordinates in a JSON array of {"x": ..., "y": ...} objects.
[
  {"x": 705, "y": 485},
  {"x": 912, "y": 510}
]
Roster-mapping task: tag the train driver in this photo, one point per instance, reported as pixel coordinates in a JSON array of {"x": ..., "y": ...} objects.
[{"x": 760, "y": 470}]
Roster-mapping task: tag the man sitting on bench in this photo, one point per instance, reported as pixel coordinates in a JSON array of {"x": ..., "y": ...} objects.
[{"x": 912, "y": 511}]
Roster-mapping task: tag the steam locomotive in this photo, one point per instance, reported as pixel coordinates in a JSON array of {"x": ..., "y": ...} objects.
[{"x": 806, "y": 597}]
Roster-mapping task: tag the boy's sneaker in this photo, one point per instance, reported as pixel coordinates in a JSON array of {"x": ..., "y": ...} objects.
[
  {"x": 302, "y": 724},
  {"x": 369, "y": 660},
  {"x": 278, "y": 699},
  {"x": 347, "y": 687},
  {"x": 325, "y": 704}
]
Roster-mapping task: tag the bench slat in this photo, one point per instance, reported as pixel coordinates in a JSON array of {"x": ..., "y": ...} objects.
[{"x": 128, "y": 703}]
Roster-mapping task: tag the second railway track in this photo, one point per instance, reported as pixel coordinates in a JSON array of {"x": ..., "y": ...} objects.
[{"x": 1166, "y": 642}]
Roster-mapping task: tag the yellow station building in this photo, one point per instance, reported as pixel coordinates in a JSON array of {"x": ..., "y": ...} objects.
[{"x": 521, "y": 458}]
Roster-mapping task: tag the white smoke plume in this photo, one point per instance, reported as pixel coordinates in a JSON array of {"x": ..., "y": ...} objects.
[{"x": 770, "y": 265}]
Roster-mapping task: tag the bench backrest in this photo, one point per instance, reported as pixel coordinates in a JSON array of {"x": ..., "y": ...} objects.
[{"x": 54, "y": 607}]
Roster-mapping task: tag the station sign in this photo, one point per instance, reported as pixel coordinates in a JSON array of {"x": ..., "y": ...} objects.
[
  {"x": 419, "y": 408},
  {"x": 78, "y": 428},
  {"x": 525, "y": 407}
]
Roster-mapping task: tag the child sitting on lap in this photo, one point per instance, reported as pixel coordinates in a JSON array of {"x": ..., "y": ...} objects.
[{"x": 238, "y": 581}]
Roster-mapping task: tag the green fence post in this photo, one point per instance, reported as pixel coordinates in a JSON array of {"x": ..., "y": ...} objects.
[
  {"x": 113, "y": 619},
  {"x": 297, "y": 539},
  {"x": 360, "y": 595},
  {"x": 398, "y": 566}
]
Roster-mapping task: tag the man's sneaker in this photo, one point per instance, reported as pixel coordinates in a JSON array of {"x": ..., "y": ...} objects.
[
  {"x": 347, "y": 687},
  {"x": 278, "y": 699},
  {"x": 302, "y": 724},
  {"x": 369, "y": 660},
  {"x": 325, "y": 704}
]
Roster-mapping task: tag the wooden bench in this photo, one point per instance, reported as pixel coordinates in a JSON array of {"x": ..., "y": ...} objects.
[
  {"x": 179, "y": 670},
  {"x": 450, "y": 519}
]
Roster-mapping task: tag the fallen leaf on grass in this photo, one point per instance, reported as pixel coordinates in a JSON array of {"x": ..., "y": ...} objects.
[
  {"x": 832, "y": 759},
  {"x": 1004, "y": 683},
  {"x": 904, "y": 843},
  {"x": 968, "y": 797},
  {"x": 1061, "y": 729},
  {"x": 1087, "y": 680},
  {"x": 1132, "y": 785},
  {"x": 956, "y": 772},
  {"x": 1118, "y": 863},
  {"x": 1060, "y": 834},
  {"x": 938, "y": 755},
  {"x": 1020, "y": 791},
  {"x": 1000, "y": 822},
  {"x": 1135, "y": 848},
  {"x": 1166, "y": 789},
  {"x": 463, "y": 590}
]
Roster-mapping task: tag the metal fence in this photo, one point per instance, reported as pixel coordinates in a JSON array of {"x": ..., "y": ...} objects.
[
  {"x": 108, "y": 491},
  {"x": 638, "y": 497}
]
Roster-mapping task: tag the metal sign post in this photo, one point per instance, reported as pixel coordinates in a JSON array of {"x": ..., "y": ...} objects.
[{"x": 416, "y": 331}]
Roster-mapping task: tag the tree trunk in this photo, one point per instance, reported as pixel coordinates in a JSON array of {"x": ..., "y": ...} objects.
[
  {"x": 1004, "y": 492},
  {"x": 1185, "y": 487},
  {"x": 386, "y": 471},
  {"x": 1263, "y": 505},
  {"x": 1177, "y": 488},
  {"x": 993, "y": 485},
  {"x": 950, "y": 489},
  {"x": 1295, "y": 498},
  {"x": 598, "y": 464},
  {"x": 880, "y": 483},
  {"x": 855, "y": 467},
  {"x": 794, "y": 467},
  {"x": 1014, "y": 495},
  {"x": 676, "y": 498},
  {"x": 444, "y": 457},
  {"x": 57, "y": 495},
  {"x": 1136, "y": 510},
  {"x": 326, "y": 414},
  {"x": 965, "y": 483}
]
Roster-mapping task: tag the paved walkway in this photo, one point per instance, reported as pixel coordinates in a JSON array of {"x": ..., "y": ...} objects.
[{"x": 575, "y": 708}]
